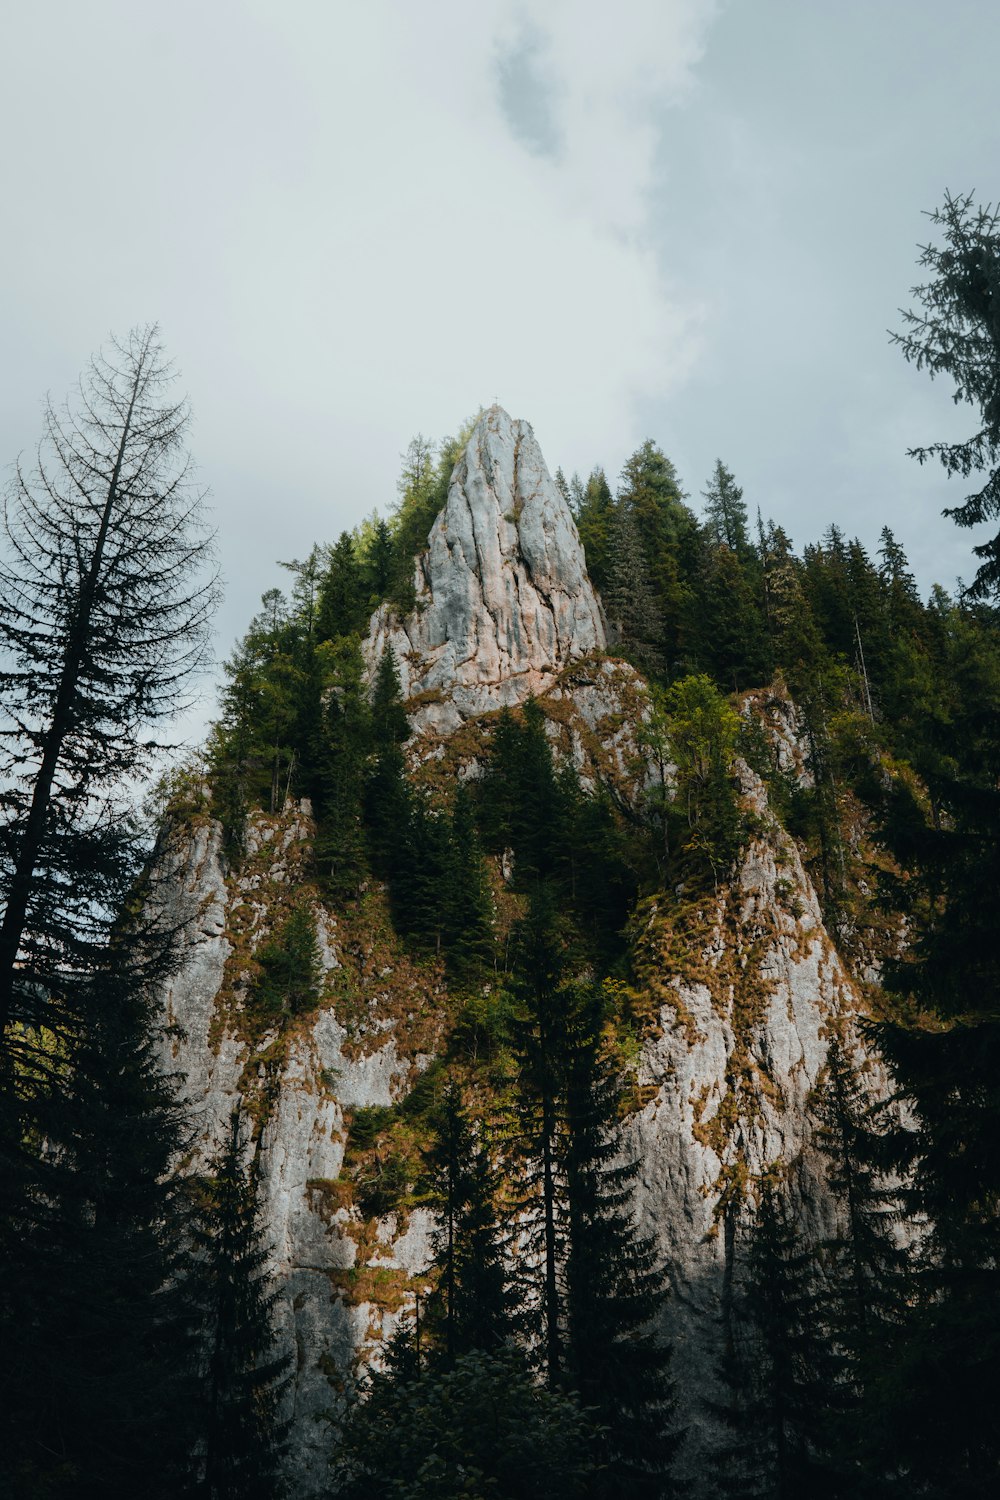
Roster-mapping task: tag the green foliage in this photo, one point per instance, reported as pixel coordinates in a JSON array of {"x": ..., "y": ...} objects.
[
  {"x": 726, "y": 511},
  {"x": 471, "y": 1307},
  {"x": 242, "y": 1438},
  {"x": 776, "y": 1369},
  {"x": 423, "y": 490},
  {"x": 615, "y": 1282},
  {"x": 702, "y": 731},
  {"x": 559, "y": 836},
  {"x": 290, "y": 968},
  {"x": 479, "y": 1428},
  {"x": 957, "y": 334},
  {"x": 342, "y": 750},
  {"x": 255, "y": 747},
  {"x": 594, "y": 512},
  {"x": 96, "y": 1318}
]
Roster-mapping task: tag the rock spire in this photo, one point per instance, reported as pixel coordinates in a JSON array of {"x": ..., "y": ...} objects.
[{"x": 503, "y": 600}]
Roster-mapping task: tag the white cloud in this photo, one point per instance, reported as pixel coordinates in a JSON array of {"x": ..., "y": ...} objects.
[{"x": 344, "y": 241}]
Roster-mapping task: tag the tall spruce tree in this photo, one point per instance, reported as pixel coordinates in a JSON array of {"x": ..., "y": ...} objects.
[
  {"x": 540, "y": 1044},
  {"x": 97, "y": 1321},
  {"x": 777, "y": 1374},
  {"x": 867, "y": 1281},
  {"x": 341, "y": 763},
  {"x": 957, "y": 333},
  {"x": 633, "y": 608},
  {"x": 726, "y": 510},
  {"x": 615, "y": 1282},
  {"x": 471, "y": 1307},
  {"x": 242, "y": 1436}
]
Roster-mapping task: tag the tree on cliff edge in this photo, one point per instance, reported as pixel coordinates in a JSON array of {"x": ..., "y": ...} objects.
[
  {"x": 104, "y": 608},
  {"x": 957, "y": 333}
]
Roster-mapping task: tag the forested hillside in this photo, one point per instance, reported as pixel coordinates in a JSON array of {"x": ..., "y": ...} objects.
[{"x": 551, "y": 1045}]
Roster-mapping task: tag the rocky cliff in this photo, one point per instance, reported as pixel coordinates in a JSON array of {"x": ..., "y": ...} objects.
[
  {"x": 503, "y": 601},
  {"x": 744, "y": 987}
]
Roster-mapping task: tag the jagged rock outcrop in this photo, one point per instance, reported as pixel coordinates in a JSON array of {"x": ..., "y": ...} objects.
[
  {"x": 745, "y": 987},
  {"x": 503, "y": 600}
]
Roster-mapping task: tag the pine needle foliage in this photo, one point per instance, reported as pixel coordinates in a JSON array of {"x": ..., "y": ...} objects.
[{"x": 241, "y": 1391}]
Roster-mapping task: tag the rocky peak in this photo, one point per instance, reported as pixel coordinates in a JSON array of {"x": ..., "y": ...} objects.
[{"x": 503, "y": 600}]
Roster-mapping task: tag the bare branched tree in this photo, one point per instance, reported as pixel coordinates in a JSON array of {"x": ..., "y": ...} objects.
[{"x": 106, "y": 594}]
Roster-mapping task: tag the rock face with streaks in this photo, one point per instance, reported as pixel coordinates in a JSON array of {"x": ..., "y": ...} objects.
[
  {"x": 746, "y": 986},
  {"x": 503, "y": 600}
]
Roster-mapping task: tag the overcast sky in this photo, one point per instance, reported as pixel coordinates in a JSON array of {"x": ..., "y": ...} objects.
[{"x": 676, "y": 219}]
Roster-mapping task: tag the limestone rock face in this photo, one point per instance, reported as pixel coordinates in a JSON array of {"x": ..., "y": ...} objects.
[
  {"x": 503, "y": 600},
  {"x": 295, "y": 1089},
  {"x": 752, "y": 990}
]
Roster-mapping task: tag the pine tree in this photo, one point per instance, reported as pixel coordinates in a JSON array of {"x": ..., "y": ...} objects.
[
  {"x": 388, "y": 802},
  {"x": 341, "y": 764},
  {"x": 96, "y": 1320},
  {"x": 942, "y": 1042},
  {"x": 104, "y": 613},
  {"x": 342, "y": 597},
  {"x": 669, "y": 539},
  {"x": 867, "y": 1282},
  {"x": 777, "y": 1374},
  {"x": 471, "y": 1308},
  {"x": 540, "y": 1044},
  {"x": 468, "y": 907},
  {"x": 726, "y": 511},
  {"x": 593, "y": 512},
  {"x": 957, "y": 334},
  {"x": 615, "y": 1283},
  {"x": 701, "y": 730},
  {"x": 242, "y": 1434},
  {"x": 290, "y": 969},
  {"x": 630, "y": 601}
]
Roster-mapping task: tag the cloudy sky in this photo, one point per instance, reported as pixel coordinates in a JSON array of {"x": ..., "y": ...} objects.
[{"x": 692, "y": 220}]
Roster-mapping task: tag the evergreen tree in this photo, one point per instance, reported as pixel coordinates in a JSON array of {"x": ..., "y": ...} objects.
[
  {"x": 388, "y": 802},
  {"x": 777, "y": 1378},
  {"x": 615, "y": 1283},
  {"x": 342, "y": 596},
  {"x": 96, "y": 1321},
  {"x": 254, "y": 754},
  {"x": 341, "y": 763},
  {"x": 943, "y": 1044},
  {"x": 104, "y": 613},
  {"x": 701, "y": 731},
  {"x": 958, "y": 334},
  {"x": 631, "y": 603},
  {"x": 376, "y": 562},
  {"x": 866, "y": 1277},
  {"x": 242, "y": 1436},
  {"x": 670, "y": 541},
  {"x": 481, "y": 1427},
  {"x": 593, "y": 512},
  {"x": 521, "y": 805},
  {"x": 735, "y": 650},
  {"x": 726, "y": 511},
  {"x": 471, "y": 1308},
  {"x": 290, "y": 970},
  {"x": 540, "y": 1043},
  {"x": 465, "y": 895}
]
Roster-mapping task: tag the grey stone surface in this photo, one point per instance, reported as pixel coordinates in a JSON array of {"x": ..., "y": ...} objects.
[{"x": 503, "y": 600}]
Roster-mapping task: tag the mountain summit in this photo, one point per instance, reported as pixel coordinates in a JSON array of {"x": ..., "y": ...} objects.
[{"x": 503, "y": 599}]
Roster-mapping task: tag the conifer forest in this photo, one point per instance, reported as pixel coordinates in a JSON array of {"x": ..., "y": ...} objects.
[{"x": 546, "y": 1041}]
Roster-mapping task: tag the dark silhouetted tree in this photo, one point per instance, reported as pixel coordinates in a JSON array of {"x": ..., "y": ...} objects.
[{"x": 104, "y": 609}]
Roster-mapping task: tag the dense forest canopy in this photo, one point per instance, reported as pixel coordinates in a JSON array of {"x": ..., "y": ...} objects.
[{"x": 136, "y": 1305}]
